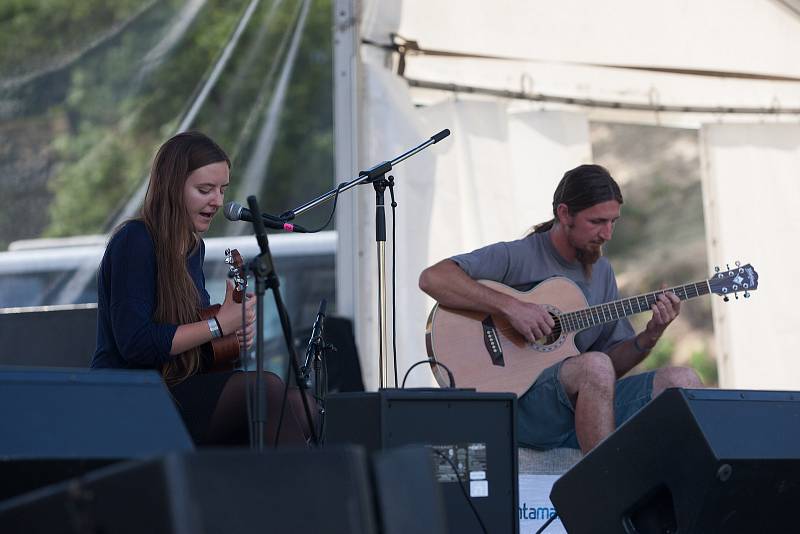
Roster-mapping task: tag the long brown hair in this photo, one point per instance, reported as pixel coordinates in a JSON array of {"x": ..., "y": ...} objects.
[{"x": 165, "y": 215}]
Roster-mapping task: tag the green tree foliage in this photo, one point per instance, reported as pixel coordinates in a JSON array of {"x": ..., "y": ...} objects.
[
  {"x": 701, "y": 361},
  {"x": 302, "y": 167},
  {"x": 39, "y": 34},
  {"x": 118, "y": 113},
  {"x": 706, "y": 367},
  {"x": 660, "y": 356},
  {"x": 90, "y": 71}
]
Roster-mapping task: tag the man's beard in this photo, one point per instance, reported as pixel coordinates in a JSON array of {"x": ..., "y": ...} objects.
[{"x": 588, "y": 257}]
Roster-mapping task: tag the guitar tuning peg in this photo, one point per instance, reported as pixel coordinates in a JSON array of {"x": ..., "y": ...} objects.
[
  {"x": 747, "y": 294},
  {"x": 716, "y": 268},
  {"x": 727, "y": 266},
  {"x": 737, "y": 263},
  {"x": 726, "y": 298}
]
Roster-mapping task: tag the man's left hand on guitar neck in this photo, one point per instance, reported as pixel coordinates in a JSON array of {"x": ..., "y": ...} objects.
[
  {"x": 665, "y": 310},
  {"x": 627, "y": 355}
]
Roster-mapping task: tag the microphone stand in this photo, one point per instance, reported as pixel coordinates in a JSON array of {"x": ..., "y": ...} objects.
[
  {"x": 316, "y": 343},
  {"x": 264, "y": 273},
  {"x": 376, "y": 176},
  {"x": 315, "y": 352}
]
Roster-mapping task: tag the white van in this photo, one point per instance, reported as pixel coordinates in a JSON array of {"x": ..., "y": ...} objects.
[{"x": 34, "y": 274}]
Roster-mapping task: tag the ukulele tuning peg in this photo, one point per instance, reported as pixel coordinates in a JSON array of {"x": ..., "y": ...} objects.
[
  {"x": 726, "y": 298},
  {"x": 727, "y": 267},
  {"x": 737, "y": 263},
  {"x": 736, "y": 295},
  {"x": 716, "y": 268},
  {"x": 747, "y": 294}
]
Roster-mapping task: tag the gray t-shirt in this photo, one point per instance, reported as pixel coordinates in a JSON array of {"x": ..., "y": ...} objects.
[{"x": 522, "y": 264}]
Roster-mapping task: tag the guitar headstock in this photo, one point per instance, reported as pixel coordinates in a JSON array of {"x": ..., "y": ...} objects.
[
  {"x": 733, "y": 281},
  {"x": 237, "y": 273}
]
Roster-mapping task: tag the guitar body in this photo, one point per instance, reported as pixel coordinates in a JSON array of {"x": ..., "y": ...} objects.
[
  {"x": 486, "y": 353},
  {"x": 462, "y": 340}
]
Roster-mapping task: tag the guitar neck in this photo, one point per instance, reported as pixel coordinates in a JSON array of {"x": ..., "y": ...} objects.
[{"x": 612, "y": 311}]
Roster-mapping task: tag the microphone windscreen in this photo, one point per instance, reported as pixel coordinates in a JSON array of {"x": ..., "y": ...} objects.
[{"x": 233, "y": 211}]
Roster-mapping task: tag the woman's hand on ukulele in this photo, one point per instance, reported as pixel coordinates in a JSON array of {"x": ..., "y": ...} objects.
[
  {"x": 249, "y": 333},
  {"x": 230, "y": 314}
]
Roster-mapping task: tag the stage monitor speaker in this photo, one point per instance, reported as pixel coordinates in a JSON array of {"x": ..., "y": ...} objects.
[
  {"x": 409, "y": 497},
  {"x": 208, "y": 492},
  {"x": 50, "y": 336},
  {"x": 60, "y": 423},
  {"x": 691, "y": 461},
  {"x": 476, "y": 431}
]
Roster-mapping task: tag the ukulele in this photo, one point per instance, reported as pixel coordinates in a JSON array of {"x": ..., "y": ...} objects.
[
  {"x": 486, "y": 353},
  {"x": 225, "y": 349}
]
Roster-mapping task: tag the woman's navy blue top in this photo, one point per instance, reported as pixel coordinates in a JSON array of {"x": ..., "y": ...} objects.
[{"x": 127, "y": 336}]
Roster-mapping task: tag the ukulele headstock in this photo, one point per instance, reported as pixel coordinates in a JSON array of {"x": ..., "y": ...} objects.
[
  {"x": 742, "y": 278},
  {"x": 236, "y": 272}
]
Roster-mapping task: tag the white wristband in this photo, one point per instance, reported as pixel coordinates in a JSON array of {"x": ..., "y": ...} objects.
[{"x": 212, "y": 326}]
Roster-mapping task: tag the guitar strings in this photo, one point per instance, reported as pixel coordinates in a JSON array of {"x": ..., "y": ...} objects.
[
  {"x": 603, "y": 313},
  {"x": 578, "y": 320}
]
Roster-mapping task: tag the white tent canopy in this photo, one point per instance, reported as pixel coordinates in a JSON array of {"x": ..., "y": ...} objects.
[
  {"x": 740, "y": 53},
  {"x": 685, "y": 64},
  {"x": 754, "y": 36}
]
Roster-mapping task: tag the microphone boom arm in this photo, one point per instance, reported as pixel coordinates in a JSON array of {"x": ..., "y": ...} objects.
[{"x": 364, "y": 177}]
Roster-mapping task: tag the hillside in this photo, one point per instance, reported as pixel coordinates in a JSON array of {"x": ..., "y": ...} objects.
[{"x": 660, "y": 238}]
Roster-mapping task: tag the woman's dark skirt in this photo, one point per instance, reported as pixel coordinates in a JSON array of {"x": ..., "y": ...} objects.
[{"x": 197, "y": 398}]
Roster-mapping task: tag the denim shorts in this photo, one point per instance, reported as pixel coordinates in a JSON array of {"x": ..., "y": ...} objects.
[{"x": 546, "y": 417}]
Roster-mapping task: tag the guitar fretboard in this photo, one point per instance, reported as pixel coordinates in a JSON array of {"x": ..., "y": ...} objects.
[{"x": 611, "y": 311}]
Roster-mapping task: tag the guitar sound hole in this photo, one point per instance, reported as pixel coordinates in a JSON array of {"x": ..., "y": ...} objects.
[{"x": 555, "y": 333}]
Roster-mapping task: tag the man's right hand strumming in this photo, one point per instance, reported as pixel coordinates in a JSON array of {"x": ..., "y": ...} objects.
[{"x": 530, "y": 320}]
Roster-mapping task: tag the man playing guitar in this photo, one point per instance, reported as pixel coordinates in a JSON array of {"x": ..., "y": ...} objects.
[{"x": 580, "y": 400}]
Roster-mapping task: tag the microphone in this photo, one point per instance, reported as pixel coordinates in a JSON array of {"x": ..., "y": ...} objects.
[
  {"x": 236, "y": 212},
  {"x": 316, "y": 336},
  {"x": 441, "y": 135},
  {"x": 319, "y": 322}
]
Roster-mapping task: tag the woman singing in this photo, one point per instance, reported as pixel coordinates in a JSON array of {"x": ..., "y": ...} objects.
[{"x": 151, "y": 289}]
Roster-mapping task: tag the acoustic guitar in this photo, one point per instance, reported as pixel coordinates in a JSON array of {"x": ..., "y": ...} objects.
[
  {"x": 486, "y": 353},
  {"x": 225, "y": 349}
]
